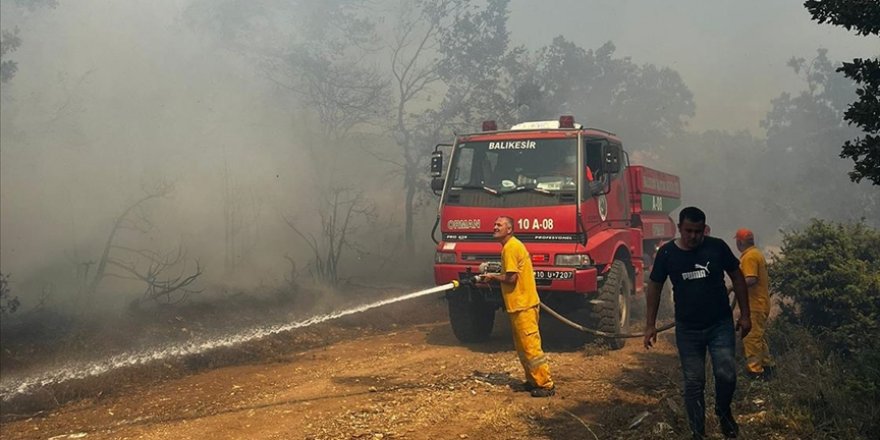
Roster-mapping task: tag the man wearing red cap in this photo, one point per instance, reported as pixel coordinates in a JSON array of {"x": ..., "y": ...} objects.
[{"x": 754, "y": 268}]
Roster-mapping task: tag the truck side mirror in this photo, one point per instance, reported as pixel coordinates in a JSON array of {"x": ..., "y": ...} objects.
[
  {"x": 611, "y": 163},
  {"x": 436, "y": 165},
  {"x": 437, "y": 185}
]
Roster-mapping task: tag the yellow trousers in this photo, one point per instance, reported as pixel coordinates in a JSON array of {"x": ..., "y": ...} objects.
[
  {"x": 527, "y": 341},
  {"x": 755, "y": 344}
]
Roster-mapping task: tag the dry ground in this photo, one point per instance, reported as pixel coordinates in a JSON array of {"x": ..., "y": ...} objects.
[{"x": 371, "y": 378}]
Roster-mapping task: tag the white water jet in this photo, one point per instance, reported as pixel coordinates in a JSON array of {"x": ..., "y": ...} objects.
[{"x": 14, "y": 387}]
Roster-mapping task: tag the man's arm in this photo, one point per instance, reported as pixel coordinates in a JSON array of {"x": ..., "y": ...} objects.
[
  {"x": 652, "y": 296},
  {"x": 750, "y": 282},
  {"x": 741, "y": 292},
  {"x": 749, "y": 268},
  {"x": 504, "y": 278}
]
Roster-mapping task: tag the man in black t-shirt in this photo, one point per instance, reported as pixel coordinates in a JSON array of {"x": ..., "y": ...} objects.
[{"x": 696, "y": 263}]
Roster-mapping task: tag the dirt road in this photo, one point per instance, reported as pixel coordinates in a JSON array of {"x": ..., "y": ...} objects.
[{"x": 412, "y": 381}]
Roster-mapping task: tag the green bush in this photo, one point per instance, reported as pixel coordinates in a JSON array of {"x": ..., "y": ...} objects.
[
  {"x": 828, "y": 275},
  {"x": 828, "y": 338}
]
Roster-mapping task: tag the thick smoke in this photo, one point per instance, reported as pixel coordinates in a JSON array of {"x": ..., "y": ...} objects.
[{"x": 111, "y": 98}]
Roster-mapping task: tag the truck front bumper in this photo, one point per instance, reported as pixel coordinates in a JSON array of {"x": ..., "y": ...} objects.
[{"x": 547, "y": 278}]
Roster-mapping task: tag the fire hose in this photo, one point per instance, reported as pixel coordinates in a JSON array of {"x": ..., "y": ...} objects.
[
  {"x": 484, "y": 269},
  {"x": 577, "y": 326}
]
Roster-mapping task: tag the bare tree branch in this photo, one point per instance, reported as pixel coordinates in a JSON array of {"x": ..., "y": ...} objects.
[
  {"x": 161, "y": 189},
  {"x": 339, "y": 209},
  {"x": 157, "y": 288}
]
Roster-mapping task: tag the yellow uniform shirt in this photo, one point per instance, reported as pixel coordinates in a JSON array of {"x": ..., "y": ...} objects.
[
  {"x": 753, "y": 264},
  {"x": 524, "y": 294}
]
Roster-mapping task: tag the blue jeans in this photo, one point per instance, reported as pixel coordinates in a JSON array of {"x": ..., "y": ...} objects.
[{"x": 720, "y": 340}]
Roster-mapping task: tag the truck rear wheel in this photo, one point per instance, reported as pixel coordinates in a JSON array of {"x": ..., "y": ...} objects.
[
  {"x": 471, "y": 316},
  {"x": 611, "y": 311}
]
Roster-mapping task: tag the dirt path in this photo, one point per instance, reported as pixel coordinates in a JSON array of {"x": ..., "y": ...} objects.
[{"x": 413, "y": 382}]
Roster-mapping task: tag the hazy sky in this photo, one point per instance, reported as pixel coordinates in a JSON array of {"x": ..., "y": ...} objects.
[{"x": 731, "y": 54}]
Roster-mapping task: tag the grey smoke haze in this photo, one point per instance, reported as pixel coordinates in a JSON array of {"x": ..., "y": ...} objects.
[
  {"x": 731, "y": 54},
  {"x": 110, "y": 96}
]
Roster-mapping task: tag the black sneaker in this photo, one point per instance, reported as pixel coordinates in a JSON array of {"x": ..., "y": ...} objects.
[
  {"x": 543, "y": 392},
  {"x": 728, "y": 425},
  {"x": 769, "y": 373}
]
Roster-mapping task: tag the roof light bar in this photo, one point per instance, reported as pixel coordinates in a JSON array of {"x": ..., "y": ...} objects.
[{"x": 566, "y": 121}]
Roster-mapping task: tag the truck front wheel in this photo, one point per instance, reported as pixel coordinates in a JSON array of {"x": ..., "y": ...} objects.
[
  {"x": 610, "y": 311},
  {"x": 471, "y": 316}
]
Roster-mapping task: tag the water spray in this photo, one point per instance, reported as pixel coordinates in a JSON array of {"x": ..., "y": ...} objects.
[{"x": 14, "y": 387}]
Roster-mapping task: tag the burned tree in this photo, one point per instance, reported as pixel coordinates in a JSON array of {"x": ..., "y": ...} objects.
[
  {"x": 451, "y": 50},
  {"x": 340, "y": 212},
  {"x": 415, "y": 68},
  {"x": 342, "y": 92},
  {"x": 165, "y": 283}
]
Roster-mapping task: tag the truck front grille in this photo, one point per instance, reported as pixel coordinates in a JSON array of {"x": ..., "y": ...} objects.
[{"x": 481, "y": 257}]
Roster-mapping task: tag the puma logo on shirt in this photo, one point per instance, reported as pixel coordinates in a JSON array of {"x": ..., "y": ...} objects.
[{"x": 703, "y": 272}]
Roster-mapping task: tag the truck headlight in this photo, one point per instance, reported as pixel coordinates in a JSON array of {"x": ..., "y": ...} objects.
[
  {"x": 444, "y": 257},
  {"x": 574, "y": 260}
]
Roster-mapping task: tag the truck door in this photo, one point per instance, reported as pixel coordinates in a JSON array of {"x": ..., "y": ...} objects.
[
  {"x": 618, "y": 206},
  {"x": 607, "y": 186}
]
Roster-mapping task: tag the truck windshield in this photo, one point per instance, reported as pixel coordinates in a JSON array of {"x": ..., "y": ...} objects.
[{"x": 527, "y": 172}]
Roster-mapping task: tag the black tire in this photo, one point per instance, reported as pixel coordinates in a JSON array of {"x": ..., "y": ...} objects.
[
  {"x": 471, "y": 317},
  {"x": 610, "y": 312}
]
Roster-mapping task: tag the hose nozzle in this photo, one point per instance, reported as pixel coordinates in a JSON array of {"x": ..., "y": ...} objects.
[{"x": 490, "y": 267}]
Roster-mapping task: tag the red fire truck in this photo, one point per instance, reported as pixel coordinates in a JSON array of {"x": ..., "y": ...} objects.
[{"x": 590, "y": 221}]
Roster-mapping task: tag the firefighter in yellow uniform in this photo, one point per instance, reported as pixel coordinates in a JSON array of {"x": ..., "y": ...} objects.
[
  {"x": 521, "y": 300},
  {"x": 754, "y": 267}
]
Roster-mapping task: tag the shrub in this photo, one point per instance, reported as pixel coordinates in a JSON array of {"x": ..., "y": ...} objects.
[
  {"x": 829, "y": 278},
  {"x": 8, "y": 303},
  {"x": 817, "y": 393}
]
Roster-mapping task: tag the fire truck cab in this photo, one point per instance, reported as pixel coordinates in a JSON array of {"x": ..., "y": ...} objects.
[{"x": 590, "y": 221}]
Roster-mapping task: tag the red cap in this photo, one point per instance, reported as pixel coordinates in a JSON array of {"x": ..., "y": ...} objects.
[{"x": 743, "y": 234}]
